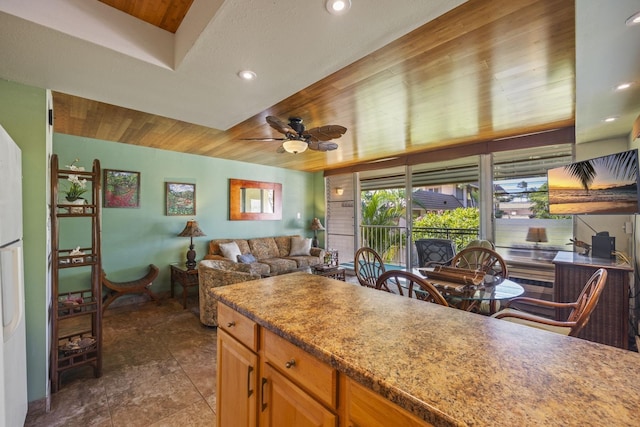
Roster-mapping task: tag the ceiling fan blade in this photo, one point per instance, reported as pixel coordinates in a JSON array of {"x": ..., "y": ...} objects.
[
  {"x": 280, "y": 126},
  {"x": 325, "y": 133},
  {"x": 322, "y": 145},
  {"x": 263, "y": 139}
]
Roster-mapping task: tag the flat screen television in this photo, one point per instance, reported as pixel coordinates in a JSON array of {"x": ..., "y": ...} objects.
[{"x": 604, "y": 185}]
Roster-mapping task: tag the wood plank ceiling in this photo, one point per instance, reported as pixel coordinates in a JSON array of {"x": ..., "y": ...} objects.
[{"x": 486, "y": 70}]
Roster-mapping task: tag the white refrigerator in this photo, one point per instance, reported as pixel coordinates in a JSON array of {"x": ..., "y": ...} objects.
[{"x": 13, "y": 354}]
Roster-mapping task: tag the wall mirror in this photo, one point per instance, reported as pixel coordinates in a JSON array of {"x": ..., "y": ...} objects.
[{"x": 254, "y": 200}]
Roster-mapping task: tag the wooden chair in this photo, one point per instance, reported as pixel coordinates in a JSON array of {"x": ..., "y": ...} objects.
[
  {"x": 482, "y": 259},
  {"x": 435, "y": 251},
  {"x": 118, "y": 289},
  {"x": 368, "y": 266},
  {"x": 405, "y": 283},
  {"x": 578, "y": 317}
]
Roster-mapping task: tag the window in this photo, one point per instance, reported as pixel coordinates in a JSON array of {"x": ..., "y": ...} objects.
[{"x": 521, "y": 203}]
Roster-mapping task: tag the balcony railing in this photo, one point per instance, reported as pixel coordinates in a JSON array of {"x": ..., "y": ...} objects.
[{"x": 390, "y": 241}]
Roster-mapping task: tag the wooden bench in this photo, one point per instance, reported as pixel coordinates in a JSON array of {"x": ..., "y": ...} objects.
[{"x": 118, "y": 289}]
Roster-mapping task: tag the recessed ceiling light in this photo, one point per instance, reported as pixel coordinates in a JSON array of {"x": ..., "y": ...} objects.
[
  {"x": 338, "y": 7},
  {"x": 623, "y": 86},
  {"x": 247, "y": 75},
  {"x": 633, "y": 19},
  {"x": 610, "y": 119}
]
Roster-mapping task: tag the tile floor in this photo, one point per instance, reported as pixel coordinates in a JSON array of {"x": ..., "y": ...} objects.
[{"x": 158, "y": 370}]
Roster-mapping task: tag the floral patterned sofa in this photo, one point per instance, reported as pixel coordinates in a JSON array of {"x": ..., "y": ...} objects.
[{"x": 273, "y": 256}]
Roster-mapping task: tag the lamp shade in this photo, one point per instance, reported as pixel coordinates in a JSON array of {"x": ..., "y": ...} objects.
[
  {"x": 537, "y": 234},
  {"x": 192, "y": 229},
  {"x": 316, "y": 224},
  {"x": 294, "y": 146}
]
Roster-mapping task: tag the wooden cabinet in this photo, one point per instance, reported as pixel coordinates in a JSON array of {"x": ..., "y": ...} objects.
[
  {"x": 236, "y": 387},
  {"x": 609, "y": 322},
  {"x": 76, "y": 266},
  {"x": 284, "y": 404},
  {"x": 294, "y": 388},
  {"x": 237, "y": 367},
  {"x": 363, "y": 407}
]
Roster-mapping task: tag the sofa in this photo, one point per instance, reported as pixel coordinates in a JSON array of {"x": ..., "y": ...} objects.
[
  {"x": 273, "y": 255},
  {"x": 232, "y": 261}
]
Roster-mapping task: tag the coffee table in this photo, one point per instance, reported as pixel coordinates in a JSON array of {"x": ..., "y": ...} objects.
[{"x": 333, "y": 272}]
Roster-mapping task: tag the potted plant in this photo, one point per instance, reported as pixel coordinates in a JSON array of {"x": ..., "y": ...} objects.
[{"x": 77, "y": 188}]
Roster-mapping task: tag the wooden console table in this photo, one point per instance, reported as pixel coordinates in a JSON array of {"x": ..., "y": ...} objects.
[{"x": 609, "y": 323}]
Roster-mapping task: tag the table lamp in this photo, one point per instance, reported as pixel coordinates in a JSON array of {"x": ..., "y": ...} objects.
[
  {"x": 315, "y": 226},
  {"x": 192, "y": 229},
  {"x": 536, "y": 235}
]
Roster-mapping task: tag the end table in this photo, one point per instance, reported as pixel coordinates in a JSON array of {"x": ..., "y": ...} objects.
[{"x": 185, "y": 278}]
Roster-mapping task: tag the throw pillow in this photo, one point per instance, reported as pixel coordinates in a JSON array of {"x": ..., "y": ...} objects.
[
  {"x": 230, "y": 251},
  {"x": 246, "y": 259},
  {"x": 300, "y": 246}
]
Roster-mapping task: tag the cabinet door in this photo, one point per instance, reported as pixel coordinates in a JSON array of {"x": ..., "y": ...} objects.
[
  {"x": 363, "y": 407},
  {"x": 236, "y": 385},
  {"x": 284, "y": 404}
]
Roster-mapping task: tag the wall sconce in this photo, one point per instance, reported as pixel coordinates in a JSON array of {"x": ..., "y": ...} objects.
[{"x": 339, "y": 191}]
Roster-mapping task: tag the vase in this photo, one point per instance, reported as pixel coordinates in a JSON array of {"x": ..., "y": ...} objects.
[{"x": 79, "y": 201}]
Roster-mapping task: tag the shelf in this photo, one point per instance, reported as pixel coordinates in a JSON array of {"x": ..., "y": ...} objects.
[
  {"x": 76, "y": 325},
  {"x": 69, "y": 304}
]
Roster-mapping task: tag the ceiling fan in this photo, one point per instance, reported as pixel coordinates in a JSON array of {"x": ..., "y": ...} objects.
[{"x": 297, "y": 139}]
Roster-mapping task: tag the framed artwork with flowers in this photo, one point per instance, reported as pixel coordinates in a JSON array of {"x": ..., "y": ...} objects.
[
  {"x": 181, "y": 198},
  {"x": 121, "y": 189}
]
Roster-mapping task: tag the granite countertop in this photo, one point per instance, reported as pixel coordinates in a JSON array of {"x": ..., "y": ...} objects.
[{"x": 445, "y": 365}]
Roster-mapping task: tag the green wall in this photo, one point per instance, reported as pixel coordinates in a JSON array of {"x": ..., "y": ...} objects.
[
  {"x": 132, "y": 238},
  {"x": 23, "y": 112}
]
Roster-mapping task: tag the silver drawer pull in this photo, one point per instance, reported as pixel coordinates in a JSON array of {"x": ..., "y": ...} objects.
[
  {"x": 231, "y": 324},
  {"x": 290, "y": 363}
]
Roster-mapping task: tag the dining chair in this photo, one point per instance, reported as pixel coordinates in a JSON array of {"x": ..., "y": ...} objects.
[
  {"x": 578, "y": 317},
  {"x": 435, "y": 251},
  {"x": 368, "y": 266},
  {"x": 481, "y": 259},
  {"x": 411, "y": 285}
]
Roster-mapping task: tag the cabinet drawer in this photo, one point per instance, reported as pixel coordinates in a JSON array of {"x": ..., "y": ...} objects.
[
  {"x": 302, "y": 368},
  {"x": 240, "y": 327}
]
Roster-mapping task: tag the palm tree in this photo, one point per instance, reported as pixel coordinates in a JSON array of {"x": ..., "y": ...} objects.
[
  {"x": 382, "y": 207},
  {"x": 623, "y": 165}
]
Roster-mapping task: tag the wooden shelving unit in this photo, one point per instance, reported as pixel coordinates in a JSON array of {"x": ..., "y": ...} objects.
[{"x": 76, "y": 323}]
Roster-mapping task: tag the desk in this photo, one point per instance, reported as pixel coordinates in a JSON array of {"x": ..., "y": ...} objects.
[
  {"x": 185, "y": 278},
  {"x": 472, "y": 299}
]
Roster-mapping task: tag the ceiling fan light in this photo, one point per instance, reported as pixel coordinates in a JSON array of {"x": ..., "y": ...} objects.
[
  {"x": 338, "y": 7},
  {"x": 294, "y": 146}
]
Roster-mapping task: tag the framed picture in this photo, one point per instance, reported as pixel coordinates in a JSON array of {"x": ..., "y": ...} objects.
[
  {"x": 181, "y": 198},
  {"x": 121, "y": 189}
]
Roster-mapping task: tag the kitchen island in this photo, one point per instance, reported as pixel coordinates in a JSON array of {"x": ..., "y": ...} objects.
[{"x": 445, "y": 366}]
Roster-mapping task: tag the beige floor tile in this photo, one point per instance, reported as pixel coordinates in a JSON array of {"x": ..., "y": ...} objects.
[{"x": 158, "y": 370}]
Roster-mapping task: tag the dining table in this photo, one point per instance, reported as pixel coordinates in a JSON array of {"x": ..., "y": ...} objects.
[{"x": 484, "y": 297}]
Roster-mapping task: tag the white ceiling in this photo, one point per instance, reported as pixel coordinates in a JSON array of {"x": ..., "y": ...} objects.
[
  {"x": 69, "y": 45},
  {"x": 192, "y": 75},
  {"x": 607, "y": 54}
]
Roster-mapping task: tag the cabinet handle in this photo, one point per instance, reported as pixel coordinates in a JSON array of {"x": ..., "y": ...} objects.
[
  {"x": 249, "y": 371},
  {"x": 291, "y": 363},
  {"x": 231, "y": 324},
  {"x": 262, "y": 404}
]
